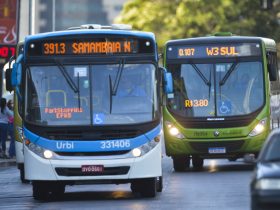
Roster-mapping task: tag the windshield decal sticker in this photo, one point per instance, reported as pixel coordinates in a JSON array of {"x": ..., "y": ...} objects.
[
  {"x": 98, "y": 118},
  {"x": 80, "y": 72},
  {"x": 225, "y": 107}
]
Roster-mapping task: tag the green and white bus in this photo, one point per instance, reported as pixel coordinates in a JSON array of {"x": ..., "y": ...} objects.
[{"x": 221, "y": 104}]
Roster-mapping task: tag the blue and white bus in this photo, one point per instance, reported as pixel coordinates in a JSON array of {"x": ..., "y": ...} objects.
[{"x": 91, "y": 109}]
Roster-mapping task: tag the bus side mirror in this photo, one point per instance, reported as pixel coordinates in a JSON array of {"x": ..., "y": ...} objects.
[
  {"x": 8, "y": 77},
  {"x": 16, "y": 72},
  {"x": 16, "y": 75},
  {"x": 272, "y": 66},
  {"x": 168, "y": 81}
]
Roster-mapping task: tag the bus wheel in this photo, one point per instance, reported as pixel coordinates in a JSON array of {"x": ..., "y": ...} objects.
[
  {"x": 181, "y": 163},
  {"x": 146, "y": 187},
  {"x": 57, "y": 191},
  {"x": 22, "y": 178},
  {"x": 197, "y": 162},
  {"x": 159, "y": 184},
  {"x": 149, "y": 188},
  {"x": 40, "y": 190}
]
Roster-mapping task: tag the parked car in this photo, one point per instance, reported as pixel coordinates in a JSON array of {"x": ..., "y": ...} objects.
[{"x": 265, "y": 185}]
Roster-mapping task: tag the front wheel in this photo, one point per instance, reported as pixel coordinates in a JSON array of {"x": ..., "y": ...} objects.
[
  {"x": 45, "y": 190},
  {"x": 40, "y": 190},
  {"x": 159, "y": 184},
  {"x": 197, "y": 162},
  {"x": 22, "y": 176},
  {"x": 181, "y": 163},
  {"x": 146, "y": 187}
]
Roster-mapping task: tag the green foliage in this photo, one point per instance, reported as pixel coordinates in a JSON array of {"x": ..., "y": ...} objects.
[{"x": 173, "y": 19}]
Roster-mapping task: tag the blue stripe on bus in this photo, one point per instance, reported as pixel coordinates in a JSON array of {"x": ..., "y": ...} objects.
[{"x": 94, "y": 145}]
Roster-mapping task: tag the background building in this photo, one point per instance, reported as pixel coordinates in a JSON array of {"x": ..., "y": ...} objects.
[
  {"x": 51, "y": 15},
  {"x": 68, "y": 13}
]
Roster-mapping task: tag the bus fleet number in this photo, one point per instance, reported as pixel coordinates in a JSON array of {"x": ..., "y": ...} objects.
[
  {"x": 186, "y": 52},
  {"x": 115, "y": 144}
]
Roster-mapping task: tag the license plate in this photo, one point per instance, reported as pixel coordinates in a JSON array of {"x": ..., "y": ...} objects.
[
  {"x": 217, "y": 150},
  {"x": 92, "y": 168}
]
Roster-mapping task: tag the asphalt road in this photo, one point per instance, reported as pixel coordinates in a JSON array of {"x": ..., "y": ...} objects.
[{"x": 221, "y": 185}]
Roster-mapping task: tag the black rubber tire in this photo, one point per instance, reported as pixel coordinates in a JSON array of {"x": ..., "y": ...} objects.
[
  {"x": 40, "y": 190},
  {"x": 47, "y": 190},
  {"x": 22, "y": 176},
  {"x": 146, "y": 187},
  {"x": 197, "y": 162},
  {"x": 159, "y": 184},
  {"x": 57, "y": 191},
  {"x": 181, "y": 163}
]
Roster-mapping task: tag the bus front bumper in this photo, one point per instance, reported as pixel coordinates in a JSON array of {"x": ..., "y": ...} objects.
[
  {"x": 146, "y": 166},
  {"x": 214, "y": 148}
]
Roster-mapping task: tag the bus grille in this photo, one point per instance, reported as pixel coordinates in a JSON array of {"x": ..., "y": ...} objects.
[
  {"x": 231, "y": 146},
  {"x": 78, "y": 172},
  {"x": 93, "y": 135},
  {"x": 86, "y": 154}
]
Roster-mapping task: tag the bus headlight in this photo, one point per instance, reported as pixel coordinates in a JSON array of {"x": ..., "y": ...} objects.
[
  {"x": 173, "y": 131},
  {"x": 47, "y": 154},
  {"x": 145, "y": 148},
  {"x": 260, "y": 127}
]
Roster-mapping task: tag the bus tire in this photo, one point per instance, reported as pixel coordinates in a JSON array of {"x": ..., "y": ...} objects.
[
  {"x": 40, "y": 190},
  {"x": 159, "y": 184},
  {"x": 146, "y": 187},
  {"x": 57, "y": 191},
  {"x": 149, "y": 188},
  {"x": 181, "y": 163},
  {"x": 22, "y": 176},
  {"x": 197, "y": 162}
]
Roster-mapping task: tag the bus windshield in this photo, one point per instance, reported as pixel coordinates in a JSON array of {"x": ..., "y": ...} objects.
[
  {"x": 217, "y": 89},
  {"x": 82, "y": 94}
]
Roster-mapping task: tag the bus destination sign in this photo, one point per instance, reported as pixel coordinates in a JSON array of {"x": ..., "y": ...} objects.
[
  {"x": 218, "y": 51},
  {"x": 86, "y": 47}
]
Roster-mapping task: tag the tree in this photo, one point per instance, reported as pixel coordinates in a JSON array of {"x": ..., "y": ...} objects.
[{"x": 192, "y": 18}]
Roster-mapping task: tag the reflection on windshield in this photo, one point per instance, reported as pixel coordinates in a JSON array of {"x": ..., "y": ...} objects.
[
  {"x": 231, "y": 89},
  {"x": 52, "y": 101}
]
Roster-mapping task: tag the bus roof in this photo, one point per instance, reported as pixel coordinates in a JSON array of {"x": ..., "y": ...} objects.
[
  {"x": 270, "y": 44},
  {"x": 110, "y": 32}
]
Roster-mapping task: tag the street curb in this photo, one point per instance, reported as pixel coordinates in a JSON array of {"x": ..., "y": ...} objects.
[{"x": 7, "y": 162}]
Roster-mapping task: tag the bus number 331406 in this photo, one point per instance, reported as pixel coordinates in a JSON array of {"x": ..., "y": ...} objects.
[{"x": 115, "y": 144}]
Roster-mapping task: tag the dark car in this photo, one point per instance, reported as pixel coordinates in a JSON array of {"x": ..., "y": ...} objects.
[{"x": 265, "y": 185}]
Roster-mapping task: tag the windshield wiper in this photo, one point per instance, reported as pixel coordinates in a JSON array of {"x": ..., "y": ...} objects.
[
  {"x": 114, "y": 88},
  {"x": 231, "y": 69},
  {"x": 70, "y": 82},
  {"x": 118, "y": 77},
  {"x": 67, "y": 77},
  {"x": 208, "y": 83},
  {"x": 79, "y": 97},
  {"x": 111, "y": 92}
]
